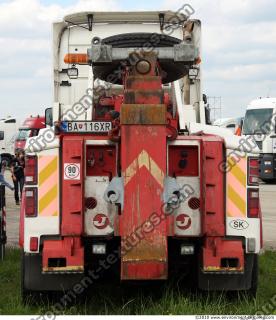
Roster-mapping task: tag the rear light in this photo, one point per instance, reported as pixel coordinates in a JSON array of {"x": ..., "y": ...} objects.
[
  {"x": 31, "y": 170},
  {"x": 253, "y": 171},
  {"x": 33, "y": 244},
  {"x": 30, "y": 202},
  {"x": 253, "y": 209}
]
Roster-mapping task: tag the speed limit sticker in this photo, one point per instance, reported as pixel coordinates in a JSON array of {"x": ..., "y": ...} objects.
[{"x": 71, "y": 171}]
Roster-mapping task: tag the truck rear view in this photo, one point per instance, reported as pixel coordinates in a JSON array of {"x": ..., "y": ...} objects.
[{"x": 122, "y": 186}]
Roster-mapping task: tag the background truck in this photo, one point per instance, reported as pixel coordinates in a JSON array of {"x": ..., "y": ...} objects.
[
  {"x": 260, "y": 123},
  {"x": 8, "y": 129},
  {"x": 130, "y": 182},
  {"x": 29, "y": 128},
  {"x": 230, "y": 123}
]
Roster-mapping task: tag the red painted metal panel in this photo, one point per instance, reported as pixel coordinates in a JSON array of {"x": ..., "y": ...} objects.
[
  {"x": 101, "y": 161},
  {"x": 70, "y": 249},
  {"x": 213, "y": 189},
  {"x": 146, "y": 271},
  {"x": 218, "y": 252},
  {"x": 183, "y": 161},
  {"x": 72, "y": 190},
  {"x": 143, "y": 157}
]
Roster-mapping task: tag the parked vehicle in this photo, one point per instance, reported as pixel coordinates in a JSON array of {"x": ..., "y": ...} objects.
[
  {"x": 29, "y": 128},
  {"x": 8, "y": 128},
  {"x": 132, "y": 183},
  {"x": 260, "y": 123},
  {"x": 230, "y": 123}
]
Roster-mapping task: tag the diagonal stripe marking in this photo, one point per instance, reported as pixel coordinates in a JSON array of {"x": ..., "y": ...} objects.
[
  {"x": 233, "y": 211},
  {"x": 239, "y": 174},
  {"x": 236, "y": 185},
  {"x": 49, "y": 196},
  {"x": 47, "y": 171},
  {"x": 237, "y": 200}
]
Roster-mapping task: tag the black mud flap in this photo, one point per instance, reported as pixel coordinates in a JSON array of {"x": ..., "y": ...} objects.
[
  {"x": 32, "y": 279},
  {"x": 231, "y": 282}
]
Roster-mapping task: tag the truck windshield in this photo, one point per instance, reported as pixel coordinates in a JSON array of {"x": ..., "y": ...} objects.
[
  {"x": 255, "y": 120},
  {"x": 23, "y": 134}
]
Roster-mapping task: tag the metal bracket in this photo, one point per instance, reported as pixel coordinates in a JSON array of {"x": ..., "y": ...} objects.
[
  {"x": 171, "y": 192},
  {"x": 115, "y": 191},
  {"x": 90, "y": 18},
  {"x": 101, "y": 53},
  {"x": 161, "y": 20}
]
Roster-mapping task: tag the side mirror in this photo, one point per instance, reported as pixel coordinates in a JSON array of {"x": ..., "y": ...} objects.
[
  {"x": 73, "y": 73},
  {"x": 2, "y": 135},
  {"x": 49, "y": 117}
]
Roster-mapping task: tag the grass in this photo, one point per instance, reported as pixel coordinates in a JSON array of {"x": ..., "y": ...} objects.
[{"x": 150, "y": 300}]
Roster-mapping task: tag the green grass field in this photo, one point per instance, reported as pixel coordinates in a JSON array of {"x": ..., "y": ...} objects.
[{"x": 149, "y": 300}]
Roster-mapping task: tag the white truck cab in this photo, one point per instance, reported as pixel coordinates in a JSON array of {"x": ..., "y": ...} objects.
[
  {"x": 8, "y": 129},
  {"x": 260, "y": 122}
]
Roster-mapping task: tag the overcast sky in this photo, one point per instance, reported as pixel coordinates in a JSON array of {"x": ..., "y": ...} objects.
[{"x": 239, "y": 49}]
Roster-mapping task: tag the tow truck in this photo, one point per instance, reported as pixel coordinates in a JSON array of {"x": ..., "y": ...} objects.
[{"x": 128, "y": 179}]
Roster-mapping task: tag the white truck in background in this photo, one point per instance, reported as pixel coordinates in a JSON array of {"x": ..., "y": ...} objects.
[
  {"x": 229, "y": 123},
  {"x": 8, "y": 130},
  {"x": 260, "y": 122}
]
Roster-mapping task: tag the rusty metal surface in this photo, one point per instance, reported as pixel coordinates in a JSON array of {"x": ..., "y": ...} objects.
[
  {"x": 69, "y": 269},
  {"x": 143, "y": 114},
  {"x": 143, "y": 171},
  {"x": 144, "y": 96},
  {"x": 147, "y": 250},
  {"x": 142, "y": 82}
]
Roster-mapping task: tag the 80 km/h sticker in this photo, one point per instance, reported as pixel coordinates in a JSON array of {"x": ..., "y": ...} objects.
[{"x": 71, "y": 171}]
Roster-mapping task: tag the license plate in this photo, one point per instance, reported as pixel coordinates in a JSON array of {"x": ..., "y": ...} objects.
[{"x": 86, "y": 126}]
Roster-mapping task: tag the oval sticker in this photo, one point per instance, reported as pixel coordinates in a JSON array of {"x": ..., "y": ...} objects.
[{"x": 239, "y": 224}]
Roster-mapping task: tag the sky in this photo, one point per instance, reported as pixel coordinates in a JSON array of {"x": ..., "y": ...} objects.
[{"x": 238, "y": 49}]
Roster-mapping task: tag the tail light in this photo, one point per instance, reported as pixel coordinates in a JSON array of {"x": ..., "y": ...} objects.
[
  {"x": 30, "y": 202},
  {"x": 31, "y": 170},
  {"x": 253, "y": 171},
  {"x": 253, "y": 207},
  {"x": 33, "y": 244}
]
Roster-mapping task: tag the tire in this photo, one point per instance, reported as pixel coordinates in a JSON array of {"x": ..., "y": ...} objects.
[{"x": 139, "y": 39}]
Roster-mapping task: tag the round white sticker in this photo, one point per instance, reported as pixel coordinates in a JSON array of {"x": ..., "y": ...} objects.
[{"x": 71, "y": 171}]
